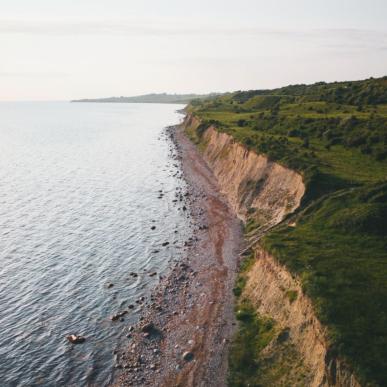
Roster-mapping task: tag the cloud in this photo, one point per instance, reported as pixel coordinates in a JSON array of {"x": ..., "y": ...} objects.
[
  {"x": 348, "y": 40},
  {"x": 119, "y": 27},
  {"x": 130, "y": 27},
  {"x": 352, "y": 39},
  {"x": 31, "y": 74}
]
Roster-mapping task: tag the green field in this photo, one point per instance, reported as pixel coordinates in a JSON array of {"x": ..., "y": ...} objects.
[{"x": 336, "y": 136}]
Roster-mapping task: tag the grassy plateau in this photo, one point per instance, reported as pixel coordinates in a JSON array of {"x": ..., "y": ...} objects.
[{"x": 335, "y": 135}]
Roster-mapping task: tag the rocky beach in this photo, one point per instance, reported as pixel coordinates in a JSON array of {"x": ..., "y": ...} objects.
[{"x": 184, "y": 333}]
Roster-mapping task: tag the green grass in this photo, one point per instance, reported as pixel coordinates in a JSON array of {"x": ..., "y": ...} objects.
[
  {"x": 336, "y": 136},
  {"x": 245, "y": 265},
  {"x": 350, "y": 164},
  {"x": 252, "y": 337},
  {"x": 292, "y": 295},
  {"x": 338, "y": 249},
  {"x": 347, "y": 163}
]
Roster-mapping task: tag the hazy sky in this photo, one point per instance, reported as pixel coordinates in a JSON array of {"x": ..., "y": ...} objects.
[{"x": 64, "y": 49}]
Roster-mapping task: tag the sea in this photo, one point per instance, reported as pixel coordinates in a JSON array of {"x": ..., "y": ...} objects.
[{"x": 86, "y": 200}]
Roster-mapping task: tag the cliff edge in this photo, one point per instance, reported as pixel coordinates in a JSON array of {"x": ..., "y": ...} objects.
[{"x": 263, "y": 193}]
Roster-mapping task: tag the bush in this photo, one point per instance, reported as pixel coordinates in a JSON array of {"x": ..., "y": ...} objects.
[{"x": 241, "y": 123}]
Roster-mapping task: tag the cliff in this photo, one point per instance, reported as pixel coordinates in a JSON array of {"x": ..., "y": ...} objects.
[
  {"x": 255, "y": 187},
  {"x": 264, "y": 192},
  {"x": 269, "y": 287}
]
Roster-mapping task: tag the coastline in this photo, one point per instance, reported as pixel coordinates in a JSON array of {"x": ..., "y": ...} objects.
[
  {"x": 269, "y": 193},
  {"x": 183, "y": 337}
]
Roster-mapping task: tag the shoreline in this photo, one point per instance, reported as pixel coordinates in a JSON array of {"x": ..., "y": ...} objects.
[{"x": 183, "y": 337}]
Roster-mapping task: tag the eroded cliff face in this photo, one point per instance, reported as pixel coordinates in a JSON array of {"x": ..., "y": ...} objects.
[
  {"x": 253, "y": 185},
  {"x": 276, "y": 293},
  {"x": 260, "y": 189}
]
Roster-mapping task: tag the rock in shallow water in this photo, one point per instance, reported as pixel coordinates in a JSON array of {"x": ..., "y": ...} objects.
[
  {"x": 76, "y": 339},
  {"x": 118, "y": 315}
]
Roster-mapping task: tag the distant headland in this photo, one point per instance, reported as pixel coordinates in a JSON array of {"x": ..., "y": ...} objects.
[{"x": 152, "y": 98}]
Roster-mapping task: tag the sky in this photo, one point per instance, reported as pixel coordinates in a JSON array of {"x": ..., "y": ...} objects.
[{"x": 68, "y": 49}]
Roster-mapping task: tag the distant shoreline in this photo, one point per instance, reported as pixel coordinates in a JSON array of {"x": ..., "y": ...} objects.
[
  {"x": 151, "y": 98},
  {"x": 127, "y": 102}
]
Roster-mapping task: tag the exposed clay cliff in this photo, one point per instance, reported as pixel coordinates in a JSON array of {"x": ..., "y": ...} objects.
[
  {"x": 266, "y": 191},
  {"x": 253, "y": 184},
  {"x": 269, "y": 287}
]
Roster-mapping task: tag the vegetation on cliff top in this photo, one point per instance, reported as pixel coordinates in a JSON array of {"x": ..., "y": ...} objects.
[
  {"x": 338, "y": 249},
  {"x": 335, "y": 135}
]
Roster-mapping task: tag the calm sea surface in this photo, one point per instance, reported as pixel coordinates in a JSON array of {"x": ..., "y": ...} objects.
[{"x": 78, "y": 197}]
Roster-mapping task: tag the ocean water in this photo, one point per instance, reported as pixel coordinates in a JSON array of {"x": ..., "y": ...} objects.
[{"x": 78, "y": 197}]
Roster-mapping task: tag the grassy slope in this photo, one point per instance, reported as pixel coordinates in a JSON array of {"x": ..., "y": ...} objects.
[
  {"x": 261, "y": 352},
  {"x": 336, "y": 135}
]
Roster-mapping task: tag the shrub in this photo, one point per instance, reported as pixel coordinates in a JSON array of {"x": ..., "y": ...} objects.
[{"x": 241, "y": 123}]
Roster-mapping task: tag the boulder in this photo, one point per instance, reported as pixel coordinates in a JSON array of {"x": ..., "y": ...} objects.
[{"x": 76, "y": 339}]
